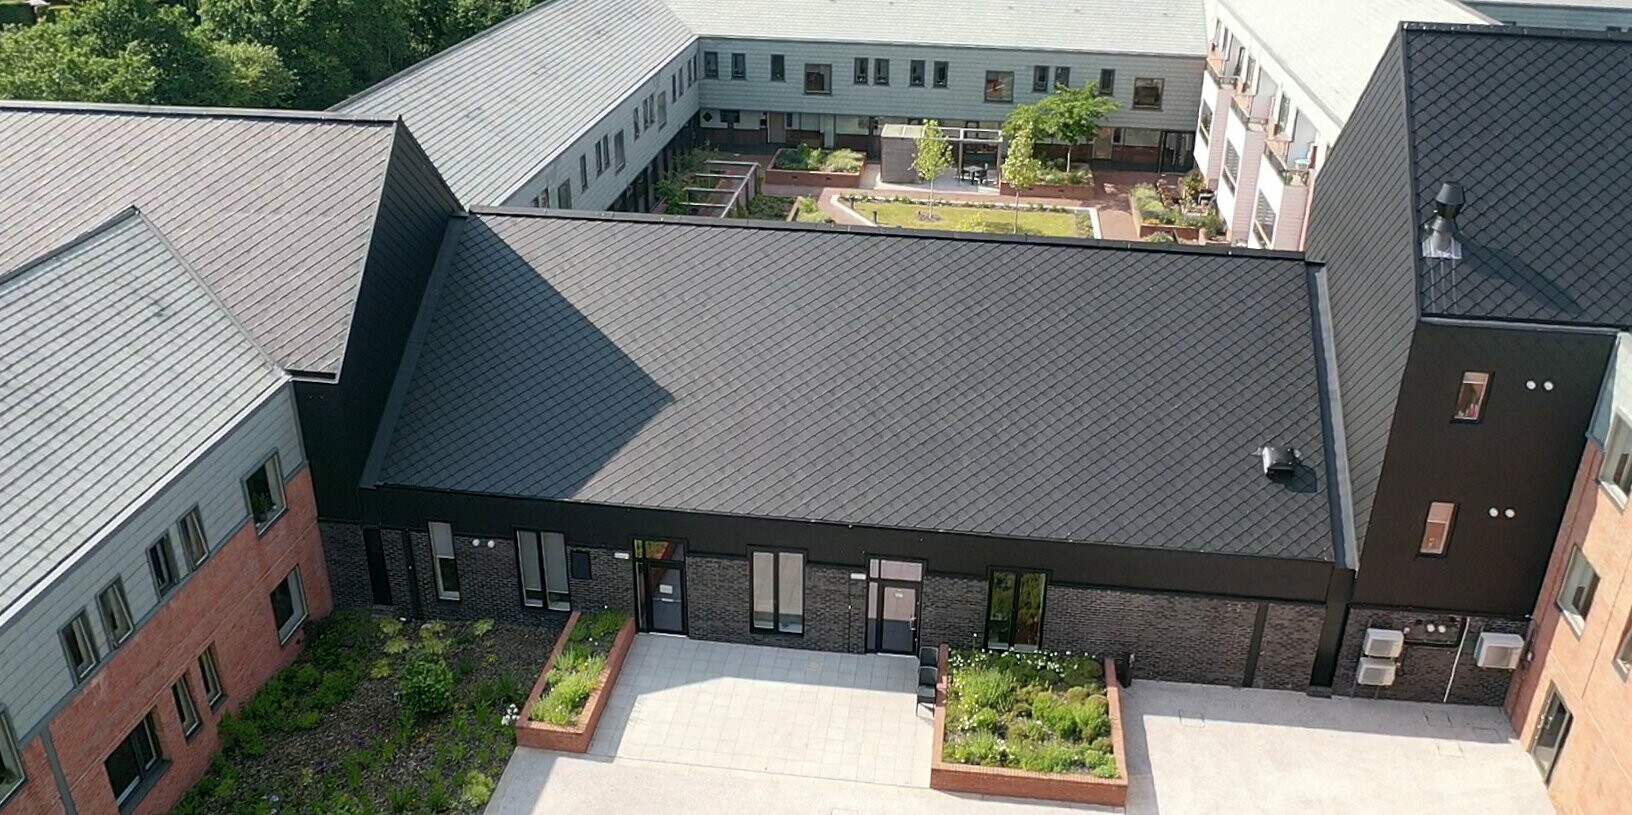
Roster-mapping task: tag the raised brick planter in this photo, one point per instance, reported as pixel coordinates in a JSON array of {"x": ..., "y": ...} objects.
[
  {"x": 1015, "y": 783},
  {"x": 802, "y": 178},
  {"x": 1185, "y": 234},
  {"x": 1074, "y": 192},
  {"x": 574, "y": 738}
]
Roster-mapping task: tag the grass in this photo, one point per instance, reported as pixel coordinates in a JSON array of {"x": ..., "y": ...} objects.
[
  {"x": 1043, "y": 712},
  {"x": 812, "y": 159},
  {"x": 576, "y": 674},
  {"x": 1057, "y": 223}
]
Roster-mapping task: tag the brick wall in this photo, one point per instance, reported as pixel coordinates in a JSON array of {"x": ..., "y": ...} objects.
[
  {"x": 1174, "y": 637},
  {"x": 953, "y": 611},
  {"x": 225, "y": 604},
  {"x": 38, "y": 795},
  {"x": 490, "y": 580},
  {"x": 718, "y": 605},
  {"x": 1286, "y": 656},
  {"x": 1424, "y": 670},
  {"x": 348, "y": 564},
  {"x": 611, "y": 582}
]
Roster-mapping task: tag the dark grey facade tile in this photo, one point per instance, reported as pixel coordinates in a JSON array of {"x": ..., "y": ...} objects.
[
  {"x": 348, "y": 564},
  {"x": 954, "y": 611}
]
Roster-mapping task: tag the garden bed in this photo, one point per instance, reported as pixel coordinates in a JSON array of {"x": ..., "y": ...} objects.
[
  {"x": 376, "y": 716},
  {"x": 1152, "y": 215},
  {"x": 1077, "y": 185},
  {"x": 572, "y": 691},
  {"x": 962, "y": 216},
  {"x": 1040, "y": 725},
  {"x": 806, "y": 166}
]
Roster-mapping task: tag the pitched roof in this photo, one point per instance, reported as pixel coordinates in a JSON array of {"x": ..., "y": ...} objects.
[
  {"x": 493, "y": 109},
  {"x": 1331, "y": 47},
  {"x": 94, "y": 337},
  {"x": 1532, "y": 123},
  {"x": 274, "y": 209},
  {"x": 1016, "y": 388},
  {"x": 1101, "y": 26}
]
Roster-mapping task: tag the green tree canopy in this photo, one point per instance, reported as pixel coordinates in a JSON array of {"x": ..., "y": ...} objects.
[
  {"x": 1021, "y": 169},
  {"x": 181, "y": 55},
  {"x": 48, "y": 62},
  {"x": 334, "y": 47},
  {"x": 934, "y": 156},
  {"x": 1068, "y": 115}
]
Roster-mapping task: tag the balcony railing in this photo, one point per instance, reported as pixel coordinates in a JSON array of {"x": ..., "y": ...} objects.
[
  {"x": 1294, "y": 171},
  {"x": 1216, "y": 64}
]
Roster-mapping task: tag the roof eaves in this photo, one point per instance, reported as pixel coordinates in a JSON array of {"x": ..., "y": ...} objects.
[
  {"x": 1530, "y": 32},
  {"x": 925, "y": 43},
  {"x": 177, "y": 111}
]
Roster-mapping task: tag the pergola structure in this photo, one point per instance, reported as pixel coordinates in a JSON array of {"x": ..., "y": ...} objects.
[{"x": 734, "y": 185}]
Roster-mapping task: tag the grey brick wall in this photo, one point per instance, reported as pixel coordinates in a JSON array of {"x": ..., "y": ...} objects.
[
  {"x": 348, "y": 564},
  {"x": 1173, "y": 637},
  {"x": 490, "y": 580},
  {"x": 611, "y": 582},
  {"x": 396, "y": 568},
  {"x": 953, "y": 611},
  {"x": 1424, "y": 670},
  {"x": 717, "y": 606},
  {"x": 1286, "y": 656}
]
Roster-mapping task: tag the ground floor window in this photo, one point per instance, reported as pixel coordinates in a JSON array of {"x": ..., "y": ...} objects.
[
  {"x": 134, "y": 760},
  {"x": 214, "y": 691},
  {"x": 186, "y": 711},
  {"x": 778, "y": 591},
  {"x": 11, "y": 759},
  {"x": 289, "y": 605},
  {"x": 1552, "y": 730},
  {"x": 447, "y": 565},
  {"x": 1014, "y": 610},
  {"x": 543, "y": 557}
]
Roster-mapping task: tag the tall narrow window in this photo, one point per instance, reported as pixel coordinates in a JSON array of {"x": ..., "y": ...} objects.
[
  {"x": 583, "y": 174},
  {"x": 1062, "y": 77},
  {"x": 739, "y": 66},
  {"x": 942, "y": 73},
  {"x": 915, "y": 73},
  {"x": 636, "y": 124},
  {"x": 1580, "y": 585},
  {"x": 778, "y": 591},
  {"x": 1107, "y": 82},
  {"x": 999, "y": 86},
  {"x": 779, "y": 68},
  {"x": 1623, "y": 658},
  {"x": 190, "y": 531},
  {"x": 1617, "y": 471},
  {"x": 210, "y": 672},
  {"x": 161, "y": 561},
  {"x": 861, "y": 71},
  {"x": 447, "y": 566},
  {"x": 264, "y": 490},
  {"x": 563, "y": 195},
  {"x": 115, "y": 611},
  {"x": 186, "y": 711},
  {"x": 78, "y": 646},
  {"x": 617, "y": 151},
  {"x": 1437, "y": 532},
  {"x": 543, "y": 557},
  {"x": 881, "y": 72},
  {"x": 662, "y": 112},
  {"x": 600, "y": 159},
  {"x": 1014, "y": 610},
  {"x": 289, "y": 605},
  {"x": 133, "y": 760},
  {"x": 711, "y": 65},
  {"x": 1470, "y": 397},
  {"x": 1039, "y": 79},
  {"x": 11, "y": 759}
]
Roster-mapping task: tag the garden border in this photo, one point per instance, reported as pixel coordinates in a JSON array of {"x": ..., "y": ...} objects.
[
  {"x": 1073, "y": 192},
  {"x": 1093, "y": 213},
  {"x": 1015, "y": 783},
  {"x": 812, "y": 178},
  {"x": 574, "y": 738}
]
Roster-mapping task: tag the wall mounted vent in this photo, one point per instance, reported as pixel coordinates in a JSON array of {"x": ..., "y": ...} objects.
[
  {"x": 1377, "y": 673},
  {"x": 1383, "y": 643},
  {"x": 1500, "y": 651}
]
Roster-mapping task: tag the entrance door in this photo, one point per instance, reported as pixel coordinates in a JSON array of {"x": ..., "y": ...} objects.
[
  {"x": 1176, "y": 151},
  {"x": 1551, "y": 733},
  {"x": 892, "y": 605},
  {"x": 660, "y": 585}
]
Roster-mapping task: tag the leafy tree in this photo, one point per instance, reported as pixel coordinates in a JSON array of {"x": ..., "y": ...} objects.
[
  {"x": 334, "y": 47},
  {"x": 1021, "y": 169},
  {"x": 48, "y": 62},
  {"x": 252, "y": 75},
  {"x": 934, "y": 156},
  {"x": 1069, "y": 115},
  {"x": 181, "y": 56}
]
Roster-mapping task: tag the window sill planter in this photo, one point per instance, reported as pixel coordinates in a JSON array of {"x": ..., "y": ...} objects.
[
  {"x": 575, "y": 737},
  {"x": 808, "y": 178},
  {"x": 1074, "y": 192},
  {"x": 1016, "y": 783}
]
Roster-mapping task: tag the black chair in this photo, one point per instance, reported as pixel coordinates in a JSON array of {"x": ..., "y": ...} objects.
[
  {"x": 929, "y": 655},
  {"x": 928, "y": 677}
]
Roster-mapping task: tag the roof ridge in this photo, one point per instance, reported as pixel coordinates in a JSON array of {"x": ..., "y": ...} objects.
[
  {"x": 182, "y": 111},
  {"x": 890, "y": 232},
  {"x": 1524, "y": 31}
]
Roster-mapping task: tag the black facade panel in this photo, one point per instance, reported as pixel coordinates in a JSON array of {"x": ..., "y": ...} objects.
[{"x": 1521, "y": 455}]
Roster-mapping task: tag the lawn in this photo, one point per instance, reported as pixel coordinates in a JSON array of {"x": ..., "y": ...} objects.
[
  {"x": 1055, "y": 222},
  {"x": 1043, "y": 712},
  {"x": 377, "y": 718}
]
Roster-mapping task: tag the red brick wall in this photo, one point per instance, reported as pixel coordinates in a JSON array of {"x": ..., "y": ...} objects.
[
  {"x": 39, "y": 794},
  {"x": 1591, "y": 776},
  {"x": 226, "y": 604}
]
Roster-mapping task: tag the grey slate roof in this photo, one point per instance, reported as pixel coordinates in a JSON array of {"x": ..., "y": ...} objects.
[
  {"x": 1052, "y": 390},
  {"x": 97, "y": 339},
  {"x": 493, "y": 109},
  {"x": 274, "y": 209},
  {"x": 1533, "y": 123}
]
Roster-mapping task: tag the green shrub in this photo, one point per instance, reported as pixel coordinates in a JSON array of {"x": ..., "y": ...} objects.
[
  {"x": 803, "y": 157},
  {"x": 481, "y": 628},
  {"x": 984, "y": 719},
  {"x": 1051, "y": 757},
  {"x": 436, "y": 796},
  {"x": 843, "y": 160},
  {"x": 565, "y": 698},
  {"x": 1160, "y": 237},
  {"x": 604, "y": 623},
  {"x": 426, "y": 687},
  {"x": 497, "y": 693},
  {"x": 979, "y": 748},
  {"x": 390, "y": 626},
  {"x": 395, "y": 645},
  {"x": 1026, "y": 729},
  {"x": 477, "y": 789},
  {"x": 306, "y": 720},
  {"x": 985, "y": 688},
  {"x": 380, "y": 669},
  {"x": 402, "y": 800},
  {"x": 343, "y": 803},
  {"x": 240, "y": 735}
]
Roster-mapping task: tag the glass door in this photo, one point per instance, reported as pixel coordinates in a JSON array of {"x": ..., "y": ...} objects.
[
  {"x": 1551, "y": 733},
  {"x": 892, "y": 605},
  {"x": 660, "y": 585},
  {"x": 1014, "y": 613}
]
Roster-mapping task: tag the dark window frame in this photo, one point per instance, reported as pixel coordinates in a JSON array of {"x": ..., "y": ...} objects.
[
  {"x": 149, "y": 770},
  {"x": 1450, "y": 528},
  {"x": 823, "y": 70},
  {"x": 1039, "y": 78},
  {"x": 190, "y": 529},
  {"x": 779, "y": 68},
  {"x": 161, "y": 563},
  {"x": 1014, "y": 619},
  {"x": 443, "y": 593},
  {"x": 1107, "y": 82},
  {"x": 1478, "y": 405},
  {"x": 545, "y": 601},
  {"x": 181, "y": 692},
  {"x": 881, "y": 72},
  {"x": 117, "y": 587},
  {"x": 997, "y": 76},
  {"x": 79, "y": 624},
  {"x": 563, "y": 195},
  {"x": 1161, "y": 92},
  {"x": 859, "y": 74},
  {"x": 209, "y": 672},
  {"x": 915, "y": 73},
  {"x": 739, "y": 65},
  {"x": 270, "y": 468},
  {"x": 299, "y": 612},
  {"x": 1062, "y": 77},
  {"x": 620, "y": 153},
  {"x": 11, "y": 755},
  {"x": 942, "y": 76},
  {"x": 583, "y": 173},
  {"x": 711, "y": 65},
  {"x": 776, "y": 590},
  {"x": 1575, "y": 614}
]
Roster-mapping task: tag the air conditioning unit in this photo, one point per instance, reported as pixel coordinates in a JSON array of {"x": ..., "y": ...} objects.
[
  {"x": 1500, "y": 651},
  {"x": 1384, "y": 643},
  {"x": 1375, "y": 672}
]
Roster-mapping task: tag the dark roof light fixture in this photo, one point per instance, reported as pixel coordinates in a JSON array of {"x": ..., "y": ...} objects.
[{"x": 1439, "y": 240}]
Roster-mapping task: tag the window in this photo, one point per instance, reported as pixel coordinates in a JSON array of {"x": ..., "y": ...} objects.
[
  {"x": 11, "y": 759},
  {"x": 1580, "y": 584},
  {"x": 600, "y": 159},
  {"x": 674, "y": 86},
  {"x": 1623, "y": 661},
  {"x": 1206, "y": 119},
  {"x": 1039, "y": 79},
  {"x": 264, "y": 489},
  {"x": 543, "y": 570},
  {"x": 190, "y": 531},
  {"x": 1000, "y": 86},
  {"x": 1437, "y": 532},
  {"x": 779, "y": 68},
  {"x": 1617, "y": 472},
  {"x": 79, "y": 647},
  {"x": 818, "y": 78},
  {"x": 447, "y": 566},
  {"x": 778, "y": 580},
  {"x": 1107, "y": 82},
  {"x": 134, "y": 760},
  {"x": 542, "y": 199},
  {"x": 606, "y": 149},
  {"x": 563, "y": 195},
  {"x": 861, "y": 71},
  {"x": 214, "y": 691},
  {"x": 115, "y": 610},
  {"x": 1470, "y": 397},
  {"x": 942, "y": 69},
  {"x": 635, "y": 114},
  {"x": 711, "y": 65},
  {"x": 739, "y": 66},
  {"x": 662, "y": 112},
  {"x": 162, "y": 562},
  {"x": 691, "y": 73},
  {"x": 583, "y": 173},
  {"x": 186, "y": 711},
  {"x": 1147, "y": 93},
  {"x": 731, "y": 117},
  {"x": 881, "y": 72},
  {"x": 1062, "y": 77},
  {"x": 1014, "y": 610},
  {"x": 915, "y": 73},
  {"x": 289, "y": 605},
  {"x": 617, "y": 150}
]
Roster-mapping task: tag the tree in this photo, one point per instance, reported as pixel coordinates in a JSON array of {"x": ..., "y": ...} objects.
[
  {"x": 181, "y": 55},
  {"x": 334, "y": 47},
  {"x": 1021, "y": 169},
  {"x": 251, "y": 75},
  {"x": 1067, "y": 115},
  {"x": 934, "y": 156},
  {"x": 47, "y": 62}
]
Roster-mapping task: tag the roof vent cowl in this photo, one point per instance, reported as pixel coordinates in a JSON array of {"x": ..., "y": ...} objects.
[{"x": 1280, "y": 460}]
